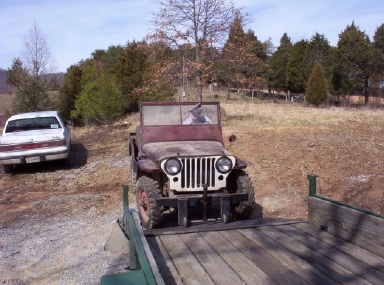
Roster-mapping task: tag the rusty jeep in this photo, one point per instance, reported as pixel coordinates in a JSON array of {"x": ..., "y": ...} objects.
[{"x": 179, "y": 162}]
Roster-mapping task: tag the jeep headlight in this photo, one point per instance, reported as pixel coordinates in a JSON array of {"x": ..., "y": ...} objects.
[
  {"x": 172, "y": 166},
  {"x": 224, "y": 164}
]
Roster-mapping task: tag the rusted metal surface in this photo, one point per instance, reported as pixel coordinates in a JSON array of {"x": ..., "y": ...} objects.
[
  {"x": 148, "y": 165},
  {"x": 181, "y": 133},
  {"x": 159, "y": 150}
]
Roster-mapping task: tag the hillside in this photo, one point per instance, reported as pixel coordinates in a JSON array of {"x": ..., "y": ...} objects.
[
  {"x": 3, "y": 86},
  {"x": 57, "y": 219}
]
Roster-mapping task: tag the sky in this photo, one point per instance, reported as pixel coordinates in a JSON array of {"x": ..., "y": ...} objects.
[{"x": 75, "y": 28}]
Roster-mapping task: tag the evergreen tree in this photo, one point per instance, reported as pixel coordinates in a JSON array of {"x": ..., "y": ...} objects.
[
  {"x": 296, "y": 75},
  {"x": 319, "y": 51},
  {"x": 108, "y": 57},
  {"x": 70, "y": 91},
  {"x": 16, "y": 74},
  {"x": 100, "y": 101},
  {"x": 129, "y": 73},
  {"x": 31, "y": 96},
  {"x": 317, "y": 91},
  {"x": 278, "y": 63},
  {"x": 378, "y": 60},
  {"x": 378, "y": 38},
  {"x": 233, "y": 55},
  {"x": 242, "y": 57},
  {"x": 352, "y": 62}
]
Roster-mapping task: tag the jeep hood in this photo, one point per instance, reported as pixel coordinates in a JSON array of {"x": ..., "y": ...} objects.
[{"x": 158, "y": 151}]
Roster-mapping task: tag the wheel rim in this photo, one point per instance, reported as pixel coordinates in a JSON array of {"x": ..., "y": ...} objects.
[{"x": 143, "y": 205}]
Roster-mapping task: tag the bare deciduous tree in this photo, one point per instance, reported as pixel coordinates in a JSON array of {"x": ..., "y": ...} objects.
[
  {"x": 198, "y": 24},
  {"x": 36, "y": 54},
  {"x": 33, "y": 84}
]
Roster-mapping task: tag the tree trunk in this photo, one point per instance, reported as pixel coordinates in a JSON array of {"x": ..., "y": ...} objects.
[
  {"x": 199, "y": 87},
  {"x": 227, "y": 94},
  {"x": 366, "y": 96},
  {"x": 199, "y": 75}
]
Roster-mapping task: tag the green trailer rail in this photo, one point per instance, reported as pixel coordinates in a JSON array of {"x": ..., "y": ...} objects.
[
  {"x": 339, "y": 244},
  {"x": 142, "y": 272}
]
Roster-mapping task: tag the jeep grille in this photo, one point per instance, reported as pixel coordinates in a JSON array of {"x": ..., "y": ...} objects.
[{"x": 198, "y": 171}]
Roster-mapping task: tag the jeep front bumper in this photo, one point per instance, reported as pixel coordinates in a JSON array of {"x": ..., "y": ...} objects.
[{"x": 183, "y": 202}]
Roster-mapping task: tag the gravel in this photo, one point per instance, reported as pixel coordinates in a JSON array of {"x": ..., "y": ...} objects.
[{"x": 60, "y": 250}]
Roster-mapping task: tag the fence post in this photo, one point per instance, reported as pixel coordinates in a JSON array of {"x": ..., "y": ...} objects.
[
  {"x": 125, "y": 198},
  {"x": 312, "y": 184}
]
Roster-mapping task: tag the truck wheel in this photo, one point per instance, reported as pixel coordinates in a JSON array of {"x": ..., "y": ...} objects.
[
  {"x": 147, "y": 192},
  {"x": 67, "y": 161},
  {"x": 238, "y": 181},
  {"x": 7, "y": 169}
]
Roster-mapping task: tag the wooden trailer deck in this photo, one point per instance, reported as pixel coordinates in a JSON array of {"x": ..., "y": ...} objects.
[
  {"x": 297, "y": 253},
  {"x": 339, "y": 244}
]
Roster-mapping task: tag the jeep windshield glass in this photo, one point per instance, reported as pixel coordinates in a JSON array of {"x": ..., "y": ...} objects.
[
  {"x": 172, "y": 115},
  {"x": 29, "y": 124}
]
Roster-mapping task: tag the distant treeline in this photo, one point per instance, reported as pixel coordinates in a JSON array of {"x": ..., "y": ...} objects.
[{"x": 5, "y": 88}]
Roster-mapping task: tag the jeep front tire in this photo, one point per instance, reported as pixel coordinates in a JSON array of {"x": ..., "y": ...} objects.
[
  {"x": 238, "y": 181},
  {"x": 147, "y": 192}
]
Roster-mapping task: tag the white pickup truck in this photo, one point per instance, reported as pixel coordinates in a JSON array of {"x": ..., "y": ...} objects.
[{"x": 34, "y": 137}]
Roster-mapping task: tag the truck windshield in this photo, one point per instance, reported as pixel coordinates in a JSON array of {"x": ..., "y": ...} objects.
[
  {"x": 158, "y": 115},
  {"x": 29, "y": 124}
]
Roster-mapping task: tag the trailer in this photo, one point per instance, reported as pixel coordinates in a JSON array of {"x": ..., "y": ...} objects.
[{"x": 338, "y": 244}]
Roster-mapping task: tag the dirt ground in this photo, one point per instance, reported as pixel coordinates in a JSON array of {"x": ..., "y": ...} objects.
[{"x": 55, "y": 220}]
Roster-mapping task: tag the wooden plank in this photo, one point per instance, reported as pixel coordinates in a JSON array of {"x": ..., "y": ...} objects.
[
  {"x": 173, "y": 228},
  {"x": 321, "y": 262},
  {"x": 186, "y": 264},
  {"x": 164, "y": 262},
  {"x": 213, "y": 264},
  {"x": 356, "y": 266},
  {"x": 242, "y": 265},
  {"x": 309, "y": 273},
  {"x": 262, "y": 259},
  {"x": 362, "y": 254},
  {"x": 362, "y": 229}
]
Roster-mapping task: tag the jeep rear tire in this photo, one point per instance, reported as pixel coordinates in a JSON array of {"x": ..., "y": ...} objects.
[
  {"x": 147, "y": 192},
  {"x": 238, "y": 181}
]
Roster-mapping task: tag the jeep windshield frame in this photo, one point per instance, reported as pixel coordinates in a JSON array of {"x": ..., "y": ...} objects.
[
  {"x": 179, "y": 113},
  {"x": 163, "y": 122}
]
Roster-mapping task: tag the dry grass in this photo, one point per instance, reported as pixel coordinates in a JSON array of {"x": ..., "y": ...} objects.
[
  {"x": 290, "y": 115},
  {"x": 6, "y": 103}
]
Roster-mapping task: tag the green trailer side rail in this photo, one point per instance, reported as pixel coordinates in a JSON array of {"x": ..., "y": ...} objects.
[
  {"x": 142, "y": 273},
  {"x": 312, "y": 193},
  {"x": 359, "y": 226}
]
